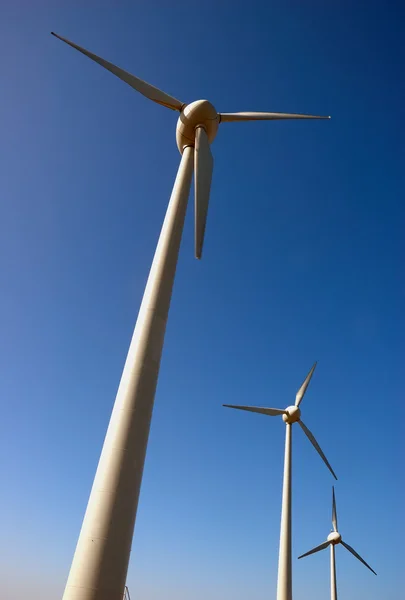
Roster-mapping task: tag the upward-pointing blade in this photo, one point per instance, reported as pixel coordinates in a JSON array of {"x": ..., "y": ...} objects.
[
  {"x": 357, "y": 556},
  {"x": 263, "y": 116},
  {"x": 316, "y": 549},
  {"x": 272, "y": 412},
  {"x": 203, "y": 165},
  {"x": 317, "y": 447},
  {"x": 334, "y": 513},
  {"x": 144, "y": 88},
  {"x": 303, "y": 388}
]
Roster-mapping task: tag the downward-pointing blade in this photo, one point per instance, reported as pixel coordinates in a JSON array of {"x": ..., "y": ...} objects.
[
  {"x": 303, "y": 388},
  {"x": 150, "y": 91},
  {"x": 264, "y": 116},
  {"x": 316, "y": 446},
  {"x": 272, "y": 412},
  {"x": 204, "y": 164},
  {"x": 334, "y": 513},
  {"x": 357, "y": 556},
  {"x": 317, "y": 549}
]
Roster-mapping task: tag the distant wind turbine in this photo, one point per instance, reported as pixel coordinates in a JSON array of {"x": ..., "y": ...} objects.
[
  {"x": 100, "y": 563},
  {"x": 332, "y": 540},
  {"x": 290, "y": 415}
]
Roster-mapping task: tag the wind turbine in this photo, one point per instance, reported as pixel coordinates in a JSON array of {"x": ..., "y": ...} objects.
[
  {"x": 332, "y": 540},
  {"x": 290, "y": 415},
  {"x": 100, "y": 563}
]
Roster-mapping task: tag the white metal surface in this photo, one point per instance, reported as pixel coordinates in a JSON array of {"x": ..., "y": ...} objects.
[
  {"x": 284, "y": 578},
  {"x": 333, "y": 585},
  {"x": 100, "y": 563},
  {"x": 203, "y": 166},
  {"x": 263, "y": 116}
]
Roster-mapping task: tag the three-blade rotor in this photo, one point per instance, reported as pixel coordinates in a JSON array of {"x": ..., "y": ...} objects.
[
  {"x": 335, "y": 538},
  {"x": 291, "y": 414},
  {"x": 203, "y": 161}
]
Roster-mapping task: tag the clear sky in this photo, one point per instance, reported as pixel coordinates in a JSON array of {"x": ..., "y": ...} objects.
[{"x": 303, "y": 261}]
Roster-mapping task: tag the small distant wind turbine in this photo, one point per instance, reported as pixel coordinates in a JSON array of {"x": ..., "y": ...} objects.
[
  {"x": 290, "y": 415},
  {"x": 100, "y": 563},
  {"x": 332, "y": 540}
]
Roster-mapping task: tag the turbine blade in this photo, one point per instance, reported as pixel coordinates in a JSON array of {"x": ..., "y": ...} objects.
[
  {"x": 144, "y": 88},
  {"x": 317, "y": 549},
  {"x": 204, "y": 164},
  {"x": 316, "y": 446},
  {"x": 303, "y": 388},
  {"x": 357, "y": 556},
  {"x": 334, "y": 513},
  {"x": 263, "y": 116},
  {"x": 272, "y": 412}
]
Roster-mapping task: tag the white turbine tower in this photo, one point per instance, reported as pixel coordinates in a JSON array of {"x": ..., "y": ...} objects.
[
  {"x": 332, "y": 540},
  {"x": 290, "y": 415},
  {"x": 100, "y": 563}
]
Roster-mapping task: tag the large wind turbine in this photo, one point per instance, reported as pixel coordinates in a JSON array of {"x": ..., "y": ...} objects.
[
  {"x": 100, "y": 563},
  {"x": 332, "y": 540},
  {"x": 290, "y": 415}
]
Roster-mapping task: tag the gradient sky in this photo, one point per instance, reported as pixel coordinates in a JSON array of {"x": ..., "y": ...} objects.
[{"x": 303, "y": 261}]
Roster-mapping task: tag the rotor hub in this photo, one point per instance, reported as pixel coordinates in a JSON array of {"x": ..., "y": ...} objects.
[
  {"x": 200, "y": 113},
  {"x": 334, "y": 537},
  {"x": 293, "y": 414}
]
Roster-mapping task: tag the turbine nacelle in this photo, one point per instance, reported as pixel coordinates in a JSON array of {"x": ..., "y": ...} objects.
[
  {"x": 200, "y": 113},
  {"x": 334, "y": 538},
  {"x": 292, "y": 414}
]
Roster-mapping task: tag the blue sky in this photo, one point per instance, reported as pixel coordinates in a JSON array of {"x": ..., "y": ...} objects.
[{"x": 303, "y": 261}]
